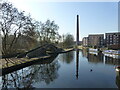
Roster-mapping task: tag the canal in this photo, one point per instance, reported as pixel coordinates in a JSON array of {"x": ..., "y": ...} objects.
[{"x": 75, "y": 69}]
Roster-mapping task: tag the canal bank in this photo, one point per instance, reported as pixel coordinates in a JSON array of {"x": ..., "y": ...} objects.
[
  {"x": 12, "y": 64},
  {"x": 20, "y": 63}
]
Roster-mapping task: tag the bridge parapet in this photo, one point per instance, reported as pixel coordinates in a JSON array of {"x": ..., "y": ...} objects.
[{"x": 43, "y": 50}]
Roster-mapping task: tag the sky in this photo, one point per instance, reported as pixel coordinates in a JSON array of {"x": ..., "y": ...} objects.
[{"x": 94, "y": 17}]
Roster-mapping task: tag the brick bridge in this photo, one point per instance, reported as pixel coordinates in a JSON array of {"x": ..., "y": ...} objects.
[{"x": 43, "y": 50}]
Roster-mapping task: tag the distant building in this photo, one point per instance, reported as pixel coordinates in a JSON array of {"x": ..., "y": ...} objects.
[
  {"x": 85, "y": 41},
  {"x": 96, "y": 40},
  {"x": 112, "y": 40}
]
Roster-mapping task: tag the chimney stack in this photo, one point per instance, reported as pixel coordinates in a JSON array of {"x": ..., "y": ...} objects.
[{"x": 77, "y": 34}]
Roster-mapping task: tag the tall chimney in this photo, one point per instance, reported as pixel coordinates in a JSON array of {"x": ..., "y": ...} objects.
[
  {"x": 77, "y": 34},
  {"x": 77, "y": 51}
]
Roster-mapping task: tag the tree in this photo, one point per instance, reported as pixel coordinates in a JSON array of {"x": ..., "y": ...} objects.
[
  {"x": 68, "y": 41},
  {"x": 13, "y": 23},
  {"x": 48, "y": 32}
]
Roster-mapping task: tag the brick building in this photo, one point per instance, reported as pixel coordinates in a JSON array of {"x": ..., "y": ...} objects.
[
  {"x": 96, "y": 40},
  {"x": 112, "y": 40},
  {"x": 85, "y": 41}
]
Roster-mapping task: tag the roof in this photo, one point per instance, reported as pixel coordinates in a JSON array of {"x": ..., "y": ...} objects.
[
  {"x": 96, "y": 34},
  {"x": 113, "y": 33}
]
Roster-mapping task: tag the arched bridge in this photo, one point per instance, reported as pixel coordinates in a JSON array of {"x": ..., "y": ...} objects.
[{"x": 43, "y": 50}]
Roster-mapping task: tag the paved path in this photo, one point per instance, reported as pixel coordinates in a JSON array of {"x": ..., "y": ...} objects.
[{"x": 4, "y": 63}]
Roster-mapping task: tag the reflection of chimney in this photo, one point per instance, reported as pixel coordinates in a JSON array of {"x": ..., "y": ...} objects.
[
  {"x": 77, "y": 63},
  {"x": 77, "y": 33}
]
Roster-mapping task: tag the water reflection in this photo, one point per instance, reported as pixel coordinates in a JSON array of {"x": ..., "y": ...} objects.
[
  {"x": 47, "y": 73},
  {"x": 27, "y": 77},
  {"x": 18, "y": 79},
  {"x": 118, "y": 81},
  {"x": 95, "y": 58},
  {"x": 67, "y": 57},
  {"x": 113, "y": 61},
  {"x": 64, "y": 70},
  {"x": 85, "y": 53},
  {"x": 77, "y": 63},
  {"x": 100, "y": 58}
]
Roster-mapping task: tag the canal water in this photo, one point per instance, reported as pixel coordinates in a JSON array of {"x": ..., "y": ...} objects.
[{"x": 75, "y": 69}]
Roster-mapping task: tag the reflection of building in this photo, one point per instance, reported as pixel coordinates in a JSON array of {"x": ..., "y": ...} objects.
[
  {"x": 112, "y": 40},
  {"x": 96, "y": 40},
  {"x": 95, "y": 58},
  {"x": 110, "y": 60},
  {"x": 85, "y": 41},
  {"x": 104, "y": 59},
  {"x": 84, "y": 53}
]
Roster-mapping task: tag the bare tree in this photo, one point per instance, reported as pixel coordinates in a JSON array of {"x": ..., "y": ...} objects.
[
  {"x": 13, "y": 23},
  {"x": 49, "y": 32}
]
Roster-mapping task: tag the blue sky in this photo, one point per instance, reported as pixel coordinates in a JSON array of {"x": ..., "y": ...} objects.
[{"x": 95, "y": 17}]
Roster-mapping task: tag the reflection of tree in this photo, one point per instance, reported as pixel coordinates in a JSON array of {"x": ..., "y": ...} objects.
[
  {"x": 118, "y": 81},
  {"x": 18, "y": 79},
  {"x": 67, "y": 57},
  {"x": 26, "y": 77},
  {"x": 47, "y": 72}
]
